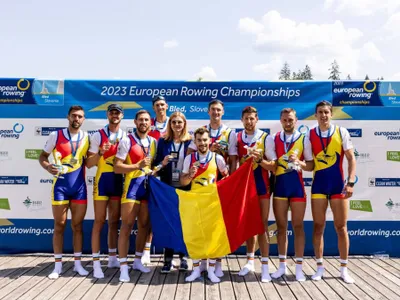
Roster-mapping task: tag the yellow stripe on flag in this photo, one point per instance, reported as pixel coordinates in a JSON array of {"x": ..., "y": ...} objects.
[{"x": 203, "y": 226}]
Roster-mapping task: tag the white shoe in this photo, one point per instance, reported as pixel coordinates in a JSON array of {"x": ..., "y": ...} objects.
[
  {"x": 246, "y": 269},
  {"x": 146, "y": 258}
]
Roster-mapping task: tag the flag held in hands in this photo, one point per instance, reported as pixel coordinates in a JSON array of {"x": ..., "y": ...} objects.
[{"x": 209, "y": 222}]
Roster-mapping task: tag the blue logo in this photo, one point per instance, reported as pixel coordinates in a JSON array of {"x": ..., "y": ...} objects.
[
  {"x": 13, "y": 133},
  {"x": 307, "y": 181},
  {"x": 384, "y": 182},
  {"x": 355, "y": 132},
  {"x": 14, "y": 180},
  {"x": 46, "y": 180},
  {"x": 45, "y": 131},
  {"x": 303, "y": 129}
]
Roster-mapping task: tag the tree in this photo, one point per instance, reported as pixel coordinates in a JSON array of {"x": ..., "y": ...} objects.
[
  {"x": 284, "y": 74},
  {"x": 306, "y": 74},
  {"x": 348, "y": 77},
  {"x": 294, "y": 76},
  {"x": 334, "y": 71},
  {"x": 366, "y": 77},
  {"x": 200, "y": 79}
]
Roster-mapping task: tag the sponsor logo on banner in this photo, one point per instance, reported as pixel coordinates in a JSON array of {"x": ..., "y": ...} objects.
[
  {"x": 48, "y": 180},
  {"x": 45, "y": 131},
  {"x": 390, "y": 93},
  {"x": 13, "y": 179},
  {"x": 304, "y": 129},
  {"x": 15, "y": 91},
  {"x": 393, "y": 155},
  {"x": 130, "y": 130},
  {"x": 4, "y": 156},
  {"x": 361, "y": 205},
  {"x": 384, "y": 182},
  {"x": 362, "y": 157},
  {"x": 33, "y": 205},
  {"x": 4, "y": 204},
  {"x": 90, "y": 180},
  {"x": 392, "y": 204},
  {"x": 355, "y": 132},
  {"x": 48, "y": 92},
  {"x": 355, "y": 93},
  {"x": 12, "y": 133},
  {"x": 91, "y": 132},
  {"x": 32, "y": 153},
  {"x": 307, "y": 181},
  {"x": 390, "y": 135}
]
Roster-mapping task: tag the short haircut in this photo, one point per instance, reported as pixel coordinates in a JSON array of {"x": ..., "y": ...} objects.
[
  {"x": 201, "y": 131},
  {"x": 141, "y": 112},
  {"x": 75, "y": 108},
  {"x": 288, "y": 110},
  {"x": 249, "y": 110},
  {"x": 323, "y": 103},
  {"x": 215, "y": 101}
]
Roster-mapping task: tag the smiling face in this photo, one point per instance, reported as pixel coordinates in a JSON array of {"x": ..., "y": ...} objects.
[
  {"x": 216, "y": 111},
  {"x": 160, "y": 108},
  {"x": 288, "y": 122},
  {"x": 202, "y": 142},
  {"x": 324, "y": 116},
  {"x": 177, "y": 125},
  {"x": 76, "y": 118},
  {"x": 249, "y": 121},
  {"x": 143, "y": 123},
  {"x": 114, "y": 116}
]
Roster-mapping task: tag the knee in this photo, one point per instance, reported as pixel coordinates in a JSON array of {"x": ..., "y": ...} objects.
[
  {"x": 113, "y": 224},
  {"x": 298, "y": 228},
  {"x": 341, "y": 229},
  {"x": 282, "y": 230},
  {"x": 59, "y": 226},
  {"x": 143, "y": 223},
  {"x": 99, "y": 221},
  {"x": 319, "y": 228}
]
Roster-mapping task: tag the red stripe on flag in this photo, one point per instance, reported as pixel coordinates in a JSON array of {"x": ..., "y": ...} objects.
[{"x": 240, "y": 205}]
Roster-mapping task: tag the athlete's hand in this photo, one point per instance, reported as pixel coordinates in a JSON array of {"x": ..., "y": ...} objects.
[
  {"x": 348, "y": 191},
  {"x": 145, "y": 163},
  {"x": 105, "y": 147},
  {"x": 257, "y": 156},
  {"x": 192, "y": 171},
  {"x": 52, "y": 169},
  {"x": 166, "y": 160},
  {"x": 293, "y": 158},
  {"x": 215, "y": 147}
]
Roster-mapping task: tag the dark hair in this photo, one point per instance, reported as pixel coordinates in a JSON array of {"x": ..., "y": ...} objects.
[
  {"x": 215, "y": 101},
  {"x": 249, "y": 110},
  {"x": 140, "y": 112},
  {"x": 288, "y": 110},
  {"x": 201, "y": 131},
  {"x": 323, "y": 103},
  {"x": 75, "y": 108}
]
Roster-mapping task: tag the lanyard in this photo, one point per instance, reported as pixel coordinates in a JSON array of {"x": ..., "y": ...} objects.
[
  {"x": 73, "y": 150},
  {"x": 287, "y": 148},
  {"x": 208, "y": 158},
  {"x": 253, "y": 140},
  {"x": 159, "y": 128},
  {"x": 174, "y": 149},
  {"x": 109, "y": 134},
  {"x": 139, "y": 142},
  {"x": 218, "y": 132},
  {"x": 328, "y": 139}
]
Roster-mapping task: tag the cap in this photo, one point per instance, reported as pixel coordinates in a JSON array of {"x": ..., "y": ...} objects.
[
  {"x": 115, "y": 106},
  {"x": 158, "y": 98}
]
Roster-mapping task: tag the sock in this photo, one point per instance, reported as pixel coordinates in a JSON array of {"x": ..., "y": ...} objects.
[
  {"x": 218, "y": 268},
  {"x": 320, "y": 270},
  {"x": 196, "y": 273},
  {"x": 147, "y": 247},
  {"x": 211, "y": 271},
  {"x": 57, "y": 267},
  {"x": 344, "y": 273},
  {"x": 203, "y": 265},
  {"x": 265, "y": 277},
  {"x": 112, "y": 258},
  {"x": 78, "y": 265},
  {"x": 249, "y": 266},
  {"x": 124, "y": 270},
  {"x": 299, "y": 269},
  {"x": 97, "y": 271},
  {"x": 146, "y": 254},
  {"x": 282, "y": 267},
  {"x": 137, "y": 263}
]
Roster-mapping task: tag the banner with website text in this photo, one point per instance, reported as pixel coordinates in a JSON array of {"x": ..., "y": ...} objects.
[{"x": 30, "y": 109}]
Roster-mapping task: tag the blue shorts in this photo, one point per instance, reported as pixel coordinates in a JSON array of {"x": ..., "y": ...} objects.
[
  {"x": 290, "y": 186},
  {"x": 328, "y": 184},
  {"x": 262, "y": 182},
  {"x": 70, "y": 188},
  {"x": 108, "y": 185},
  {"x": 135, "y": 191}
]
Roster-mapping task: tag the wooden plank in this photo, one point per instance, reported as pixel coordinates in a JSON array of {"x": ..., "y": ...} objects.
[
  {"x": 16, "y": 283},
  {"x": 140, "y": 289},
  {"x": 253, "y": 284},
  {"x": 14, "y": 265},
  {"x": 372, "y": 278},
  {"x": 393, "y": 261},
  {"x": 238, "y": 282},
  {"x": 333, "y": 266},
  {"x": 197, "y": 287},
  {"x": 123, "y": 290},
  {"x": 309, "y": 268},
  {"x": 63, "y": 286},
  {"x": 384, "y": 272},
  {"x": 156, "y": 283},
  {"x": 395, "y": 270},
  {"x": 98, "y": 285},
  {"x": 364, "y": 285},
  {"x": 269, "y": 289},
  {"x": 307, "y": 285},
  {"x": 170, "y": 285},
  {"x": 225, "y": 287},
  {"x": 281, "y": 284},
  {"x": 183, "y": 288}
]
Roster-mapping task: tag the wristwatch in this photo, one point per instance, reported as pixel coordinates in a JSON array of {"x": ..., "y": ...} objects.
[{"x": 350, "y": 184}]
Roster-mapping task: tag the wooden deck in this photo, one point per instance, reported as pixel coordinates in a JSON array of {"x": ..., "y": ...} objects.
[{"x": 24, "y": 277}]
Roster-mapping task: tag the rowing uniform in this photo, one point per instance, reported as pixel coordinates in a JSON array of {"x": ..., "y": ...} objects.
[
  {"x": 132, "y": 149},
  {"x": 71, "y": 150},
  {"x": 158, "y": 129},
  {"x": 328, "y": 149},
  {"x": 289, "y": 184},
  {"x": 107, "y": 184}
]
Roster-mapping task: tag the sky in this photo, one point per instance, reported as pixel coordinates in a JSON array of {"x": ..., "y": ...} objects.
[{"x": 213, "y": 39}]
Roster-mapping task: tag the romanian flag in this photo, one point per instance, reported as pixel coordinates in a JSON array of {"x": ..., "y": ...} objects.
[{"x": 209, "y": 222}]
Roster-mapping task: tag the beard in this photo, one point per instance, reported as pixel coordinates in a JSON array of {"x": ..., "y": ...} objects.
[
  {"x": 114, "y": 121},
  {"x": 143, "y": 129},
  {"x": 202, "y": 150},
  {"x": 75, "y": 125}
]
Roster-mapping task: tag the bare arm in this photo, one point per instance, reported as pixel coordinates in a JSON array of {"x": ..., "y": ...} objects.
[
  {"x": 351, "y": 159},
  {"x": 44, "y": 162},
  {"x": 92, "y": 159},
  {"x": 232, "y": 163},
  {"x": 120, "y": 167}
]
